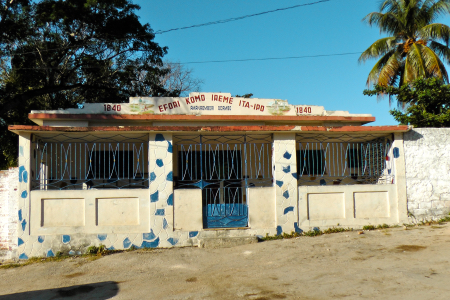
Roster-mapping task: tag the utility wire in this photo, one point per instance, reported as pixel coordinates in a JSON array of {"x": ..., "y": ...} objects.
[
  {"x": 240, "y": 18},
  {"x": 232, "y": 60},
  {"x": 191, "y": 26},
  {"x": 269, "y": 58}
]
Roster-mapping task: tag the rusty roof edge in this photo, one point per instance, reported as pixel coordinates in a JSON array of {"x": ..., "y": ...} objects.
[{"x": 267, "y": 128}]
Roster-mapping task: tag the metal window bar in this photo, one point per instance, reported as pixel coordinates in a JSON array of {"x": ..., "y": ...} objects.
[
  {"x": 223, "y": 167},
  {"x": 344, "y": 162},
  {"x": 60, "y": 163}
]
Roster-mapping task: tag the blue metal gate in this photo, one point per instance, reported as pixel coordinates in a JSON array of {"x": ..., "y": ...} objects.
[{"x": 223, "y": 167}]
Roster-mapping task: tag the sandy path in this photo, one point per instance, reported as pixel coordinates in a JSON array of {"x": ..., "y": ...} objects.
[{"x": 382, "y": 264}]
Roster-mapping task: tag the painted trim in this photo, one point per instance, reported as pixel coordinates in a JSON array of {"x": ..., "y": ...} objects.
[
  {"x": 199, "y": 118},
  {"x": 267, "y": 128}
]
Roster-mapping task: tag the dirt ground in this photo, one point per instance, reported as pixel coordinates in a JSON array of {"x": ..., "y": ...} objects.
[{"x": 382, "y": 264}]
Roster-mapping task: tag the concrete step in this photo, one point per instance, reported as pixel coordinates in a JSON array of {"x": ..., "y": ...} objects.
[{"x": 226, "y": 242}]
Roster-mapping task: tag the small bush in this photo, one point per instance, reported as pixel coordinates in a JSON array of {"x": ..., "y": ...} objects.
[{"x": 368, "y": 227}]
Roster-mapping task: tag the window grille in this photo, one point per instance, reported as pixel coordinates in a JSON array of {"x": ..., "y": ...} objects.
[
  {"x": 66, "y": 162},
  {"x": 344, "y": 159}
]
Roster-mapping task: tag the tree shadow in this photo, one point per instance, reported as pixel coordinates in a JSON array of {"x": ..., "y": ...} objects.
[{"x": 99, "y": 290}]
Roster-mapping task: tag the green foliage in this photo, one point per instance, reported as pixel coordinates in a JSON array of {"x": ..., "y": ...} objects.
[
  {"x": 54, "y": 54},
  {"x": 426, "y": 101},
  {"x": 100, "y": 250},
  {"x": 415, "y": 45},
  {"x": 369, "y": 227}
]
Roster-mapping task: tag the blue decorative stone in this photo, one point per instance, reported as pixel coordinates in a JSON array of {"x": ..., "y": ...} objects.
[
  {"x": 23, "y": 256},
  {"x": 111, "y": 248},
  {"x": 154, "y": 197},
  {"x": 389, "y": 171},
  {"x": 23, "y": 174},
  {"x": 21, "y": 151},
  {"x": 41, "y": 238},
  {"x": 316, "y": 229},
  {"x": 396, "y": 152},
  {"x": 279, "y": 230},
  {"x": 71, "y": 252},
  {"x": 287, "y": 155},
  {"x": 20, "y": 242},
  {"x": 50, "y": 253},
  {"x": 288, "y": 209},
  {"x": 169, "y": 176},
  {"x": 295, "y": 175},
  {"x": 159, "y": 138},
  {"x": 279, "y": 183},
  {"x": 102, "y": 237},
  {"x": 153, "y": 244},
  {"x": 24, "y": 225},
  {"x": 297, "y": 229},
  {"x": 170, "y": 199},
  {"x": 66, "y": 239},
  {"x": 286, "y": 194},
  {"x": 287, "y": 169},
  {"x": 148, "y": 236},
  {"x": 193, "y": 234},
  {"x": 159, "y": 163},
  {"x": 152, "y": 176},
  {"x": 24, "y": 194},
  {"x": 20, "y": 214},
  {"x": 322, "y": 182},
  {"x": 172, "y": 241},
  {"x": 170, "y": 148},
  {"x": 165, "y": 225},
  {"x": 126, "y": 243},
  {"x": 160, "y": 212}
]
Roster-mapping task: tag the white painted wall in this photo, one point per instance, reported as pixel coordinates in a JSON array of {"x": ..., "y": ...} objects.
[
  {"x": 427, "y": 156},
  {"x": 8, "y": 212}
]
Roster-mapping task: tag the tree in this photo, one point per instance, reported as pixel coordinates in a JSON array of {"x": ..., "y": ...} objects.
[
  {"x": 427, "y": 102},
  {"x": 180, "y": 78},
  {"x": 415, "y": 46},
  {"x": 55, "y": 53}
]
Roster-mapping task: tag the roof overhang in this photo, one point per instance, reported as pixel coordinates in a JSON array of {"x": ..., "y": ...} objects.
[
  {"x": 39, "y": 118},
  {"x": 18, "y": 129}
]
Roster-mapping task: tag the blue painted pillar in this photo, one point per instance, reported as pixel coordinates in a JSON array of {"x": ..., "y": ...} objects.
[{"x": 285, "y": 175}]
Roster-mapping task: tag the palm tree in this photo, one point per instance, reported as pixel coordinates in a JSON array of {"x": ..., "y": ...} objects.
[{"x": 415, "y": 46}]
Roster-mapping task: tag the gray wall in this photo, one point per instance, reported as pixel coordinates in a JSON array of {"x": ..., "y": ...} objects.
[{"x": 427, "y": 159}]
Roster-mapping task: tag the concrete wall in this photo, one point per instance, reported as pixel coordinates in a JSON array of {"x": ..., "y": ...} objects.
[
  {"x": 427, "y": 153},
  {"x": 8, "y": 213}
]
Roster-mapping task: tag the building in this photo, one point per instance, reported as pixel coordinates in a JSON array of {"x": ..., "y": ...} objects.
[{"x": 163, "y": 172}]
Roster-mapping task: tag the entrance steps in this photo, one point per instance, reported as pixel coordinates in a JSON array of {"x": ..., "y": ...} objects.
[{"x": 225, "y": 238}]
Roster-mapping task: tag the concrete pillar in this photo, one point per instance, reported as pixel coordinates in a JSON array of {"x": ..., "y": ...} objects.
[
  {"x": 161, "y": 188},
  {"x": 23, "y": 230},
  {"x": 400, "y": 177},
  {"x": 285, "y": 176}
]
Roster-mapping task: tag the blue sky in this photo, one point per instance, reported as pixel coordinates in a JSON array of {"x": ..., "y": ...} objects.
[{"x": 335, "y": 82}]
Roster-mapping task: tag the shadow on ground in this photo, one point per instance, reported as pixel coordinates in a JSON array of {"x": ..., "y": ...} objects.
[{"x": 99, "y": 290}]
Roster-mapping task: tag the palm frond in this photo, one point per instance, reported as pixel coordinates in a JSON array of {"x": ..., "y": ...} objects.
[
  {"x": 434, "y": 65},
  {"x": 388, "y": 22},
  {"x": 374, "y": 73},
  {"x": 441, "y": 50},
  {"x": 436, "y": 31},
  {"x": 431, "y": 61},
  {"x": 388, "y": 73},
  {"x": 440, "y": 8},
  {"x": 415, "y": 58},
  {"x": 379, "y": 48}
]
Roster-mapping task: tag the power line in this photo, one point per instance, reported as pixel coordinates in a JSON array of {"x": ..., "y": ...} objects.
[
  {"x": 232, "y": 60},
  {"x": 191, "y": 26},
  {"x": 240, "y": 18},
  {"x": 270, "y": 58}
]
